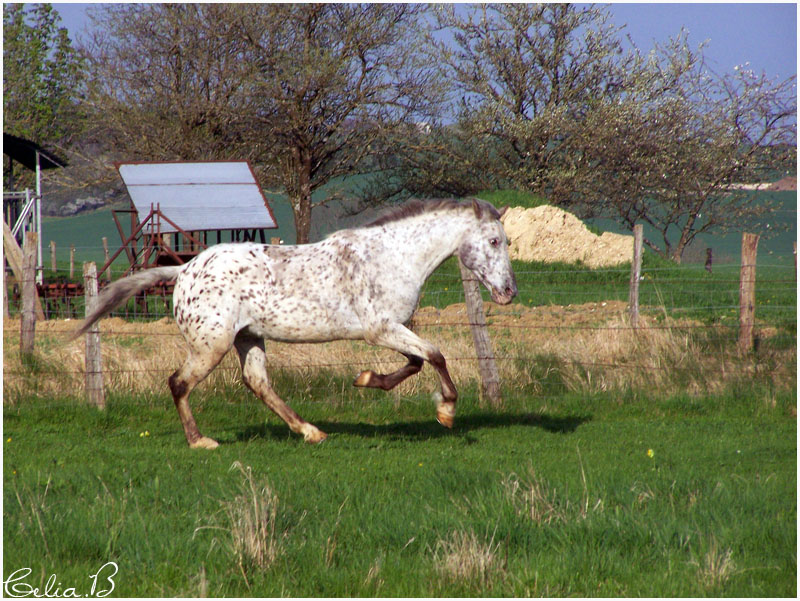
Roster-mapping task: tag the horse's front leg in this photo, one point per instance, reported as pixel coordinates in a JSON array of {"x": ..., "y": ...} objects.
[
  {"x": 446, "y": 402},
  {"x": 399, "y": 338},
  {"x": 369, "y": 379}
]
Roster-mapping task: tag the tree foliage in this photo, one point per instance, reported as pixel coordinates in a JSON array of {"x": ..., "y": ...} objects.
[
  {"x": 522, "y": 78},
  {"x": 303, "y": 91},
  {"x": 42, "y": 76},
  {"x": 441, "y": 100},
  {"x": 547, "y": 101},
  {"x": 675, "y": 149}
]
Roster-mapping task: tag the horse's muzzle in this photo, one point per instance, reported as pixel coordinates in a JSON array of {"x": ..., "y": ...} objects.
[{"x": 505, "y": 296}]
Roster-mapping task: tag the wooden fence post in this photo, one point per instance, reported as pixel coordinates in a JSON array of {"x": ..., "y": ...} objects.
[
  {"x": 94, "y": 369},
  {"x": 636, "y": 274},
  {"x": 71, "y": 261},
  {"x": 28, "y": 326},
  {"x": 747, "y": 291},
  {"x": 13, "y": 255},
  {"x": 487, "y": 367},
  {"x": 53, "y": 265},
  {"x": 6, "y": 313}
]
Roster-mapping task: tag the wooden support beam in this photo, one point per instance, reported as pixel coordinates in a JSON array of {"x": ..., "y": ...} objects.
[
  {"x": 130, "y": 239},
  {"x": 13, "y": 254},
  {"x": 636, "y": 274},
  {"x": 95, "y": 394},
  {"x": 28, "y": 283}
]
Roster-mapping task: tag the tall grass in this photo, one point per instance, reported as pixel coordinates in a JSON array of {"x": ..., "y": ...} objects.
[
  {"x": 254, "y": 536},
  {"x": 541, "y": 351}
]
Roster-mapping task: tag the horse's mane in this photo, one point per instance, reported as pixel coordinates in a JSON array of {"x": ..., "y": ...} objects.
[{"x": 415, "y": 207}]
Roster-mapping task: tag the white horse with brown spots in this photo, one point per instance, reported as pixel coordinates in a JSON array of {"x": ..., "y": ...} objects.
[{"x": 357, "y": 284}]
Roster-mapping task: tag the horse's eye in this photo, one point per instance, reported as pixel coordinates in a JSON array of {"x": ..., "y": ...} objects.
[{"x": 494, "y": 241}]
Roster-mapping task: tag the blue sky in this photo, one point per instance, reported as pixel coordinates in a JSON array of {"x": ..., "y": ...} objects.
[{"x": 763, "y": 34}]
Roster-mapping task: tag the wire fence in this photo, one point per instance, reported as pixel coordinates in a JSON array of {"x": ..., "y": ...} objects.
[
  {"x": 568, "y": 329},
  {"x": 687, "y": 289}
]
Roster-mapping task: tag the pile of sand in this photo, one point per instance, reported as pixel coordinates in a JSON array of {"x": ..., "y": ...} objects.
[
  {"x": 551, "y": 235},
  {"x": 786, "y": 184}
]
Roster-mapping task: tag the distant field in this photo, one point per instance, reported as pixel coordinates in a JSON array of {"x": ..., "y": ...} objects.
[{"x": 774, "y": 246}]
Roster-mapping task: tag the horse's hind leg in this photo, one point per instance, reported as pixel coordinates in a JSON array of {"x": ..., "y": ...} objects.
[
  {"x": 254, "y": 373},
  {"x": 370, "y": 379},
  {"x": 196, "y": 367}
]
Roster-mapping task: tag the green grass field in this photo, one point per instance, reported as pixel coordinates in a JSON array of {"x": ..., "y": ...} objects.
[{"x": 556, "y": 495}]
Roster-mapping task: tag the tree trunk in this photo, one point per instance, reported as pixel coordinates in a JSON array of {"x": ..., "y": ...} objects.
[
  {"x": 300, "y": 193},
  {"x": 301, "y": 205}
]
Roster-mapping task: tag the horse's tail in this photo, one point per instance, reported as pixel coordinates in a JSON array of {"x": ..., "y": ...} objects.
[{"x": 117, "y": 293}]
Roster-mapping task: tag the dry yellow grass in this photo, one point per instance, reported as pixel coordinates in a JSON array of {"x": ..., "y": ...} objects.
[
  {"x": 252, "y": 523},
  {"x": 590, "y": 346},
  {"x": 464, "y": 557}
]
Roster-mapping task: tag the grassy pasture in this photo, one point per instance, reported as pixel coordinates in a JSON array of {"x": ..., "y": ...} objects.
[{"x": 558, "y": 494}]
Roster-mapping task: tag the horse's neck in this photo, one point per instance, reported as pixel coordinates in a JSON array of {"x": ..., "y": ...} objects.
[{"x": 428, "y": 240}]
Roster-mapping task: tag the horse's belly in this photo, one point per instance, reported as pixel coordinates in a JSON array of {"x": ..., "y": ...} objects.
[{"x": 302, "y": 321}]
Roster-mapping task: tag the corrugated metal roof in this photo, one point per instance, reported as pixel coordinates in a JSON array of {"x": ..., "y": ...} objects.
[{"x": 199, "y": 196}]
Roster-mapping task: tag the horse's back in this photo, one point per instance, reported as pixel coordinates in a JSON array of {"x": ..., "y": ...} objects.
[{"x": 291, "y": 293}]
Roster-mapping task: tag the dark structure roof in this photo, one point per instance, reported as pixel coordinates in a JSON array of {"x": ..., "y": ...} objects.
[{"x": 24, "y": 151}]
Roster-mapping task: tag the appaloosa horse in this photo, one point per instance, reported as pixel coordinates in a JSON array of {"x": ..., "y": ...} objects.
[{"x": 362, "y": 283}]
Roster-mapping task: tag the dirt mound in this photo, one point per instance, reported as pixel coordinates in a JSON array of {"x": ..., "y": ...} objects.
[
  {"x": 551, "y": 235},
  {"x": 786, "y": 184}
]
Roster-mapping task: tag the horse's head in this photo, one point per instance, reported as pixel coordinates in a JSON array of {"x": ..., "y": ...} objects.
[{"x": 484, "y": 251}]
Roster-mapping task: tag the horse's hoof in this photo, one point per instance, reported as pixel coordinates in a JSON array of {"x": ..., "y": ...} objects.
[
  {"x": 445, "y": 415},
  {"x": 363, "y": 379},
  {"x": 204, "y": 442},
  {"x": 315, "y": 437}
]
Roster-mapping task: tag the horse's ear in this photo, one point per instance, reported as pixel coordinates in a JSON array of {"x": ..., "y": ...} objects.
[
  {"x": 476, "y": 206},
  {"x": 503, "y": 210}
]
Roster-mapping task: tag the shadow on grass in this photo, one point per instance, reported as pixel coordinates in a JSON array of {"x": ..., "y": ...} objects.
[{"x": 425, "y": 430}]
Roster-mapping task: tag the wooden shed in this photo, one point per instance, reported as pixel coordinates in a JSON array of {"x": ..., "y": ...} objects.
[{"x": 179, "y": 208}]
